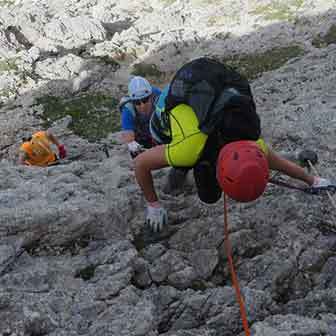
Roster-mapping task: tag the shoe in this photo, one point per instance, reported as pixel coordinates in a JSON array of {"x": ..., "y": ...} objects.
[{"x": 206, "y": 182}]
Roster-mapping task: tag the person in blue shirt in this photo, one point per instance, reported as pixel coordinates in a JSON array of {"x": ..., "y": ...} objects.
[{"x": 136, "y": 110}]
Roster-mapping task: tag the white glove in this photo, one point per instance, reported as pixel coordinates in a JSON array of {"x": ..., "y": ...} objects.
[
  {"x": 134, "y": 147},
  {"x": 156, "y": 217},
  {"x": 320, "y": 182}
]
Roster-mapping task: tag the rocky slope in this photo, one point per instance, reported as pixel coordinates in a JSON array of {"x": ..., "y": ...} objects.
[{"x": 75, "y": 257}]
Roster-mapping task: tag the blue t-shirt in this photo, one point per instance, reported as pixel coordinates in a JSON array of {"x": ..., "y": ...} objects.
[{"x": 127, "y": 116}]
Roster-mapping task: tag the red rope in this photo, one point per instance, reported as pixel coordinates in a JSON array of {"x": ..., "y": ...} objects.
[{"x": 233, "y": 273}]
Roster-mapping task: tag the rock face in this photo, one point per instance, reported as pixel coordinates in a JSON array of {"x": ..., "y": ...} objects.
[{"x": 75, "y": 256}]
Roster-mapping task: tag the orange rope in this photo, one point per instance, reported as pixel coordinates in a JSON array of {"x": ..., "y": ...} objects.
[{"x": 233, "y": 273}]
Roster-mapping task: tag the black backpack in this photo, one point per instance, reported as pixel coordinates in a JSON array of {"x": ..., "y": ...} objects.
[{"x": 221, "y": 98}]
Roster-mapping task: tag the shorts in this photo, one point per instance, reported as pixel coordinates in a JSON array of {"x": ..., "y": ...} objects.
[
  {"x": 192, "y": 148},
  {"x": 187, "y": 140}
]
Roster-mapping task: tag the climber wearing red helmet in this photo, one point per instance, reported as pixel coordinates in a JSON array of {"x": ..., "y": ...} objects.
[
  {"x": 206, "y": 120},
  {"x": 242, "y": 170}
]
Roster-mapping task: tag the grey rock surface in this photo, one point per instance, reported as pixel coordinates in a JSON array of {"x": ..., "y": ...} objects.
[{"x": 75, "y": 255}]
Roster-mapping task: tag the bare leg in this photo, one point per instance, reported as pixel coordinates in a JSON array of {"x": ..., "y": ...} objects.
[
  {"x": 145, "y": 163},
  {"x": 289, "y": 168}
]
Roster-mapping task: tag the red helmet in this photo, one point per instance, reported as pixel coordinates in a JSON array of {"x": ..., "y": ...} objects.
[{"x": 242, "y": 170}]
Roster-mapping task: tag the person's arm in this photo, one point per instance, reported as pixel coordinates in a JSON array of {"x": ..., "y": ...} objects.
[
  {"x": 52, "y": 138},
  {"x": 23, "y": 157},
  {"x": 61, "y": 149},
  {"x": 128, "y": 132},
  {"x": 134, "y": 148},
  {"x": 154, "y": 158},
  {"x": 147, "y": 161},
  {"x": 289, "y": 168}
]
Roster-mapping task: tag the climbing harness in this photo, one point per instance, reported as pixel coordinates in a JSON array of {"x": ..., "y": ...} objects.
[{"x": 234, "y": 277}]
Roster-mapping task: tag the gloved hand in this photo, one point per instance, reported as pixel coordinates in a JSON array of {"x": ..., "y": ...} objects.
[
  {"x": 320, "y": 182},
  {"x": 307, "y": 155},
  {"x": 61, "y": 151},
  {"x": 134, "y": 148},
  {"x": 156, "y": 216}
]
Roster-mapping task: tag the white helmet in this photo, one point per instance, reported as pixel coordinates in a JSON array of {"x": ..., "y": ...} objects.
[{"x": 139, "y": 88}]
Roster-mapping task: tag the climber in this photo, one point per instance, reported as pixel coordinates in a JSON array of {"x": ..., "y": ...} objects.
[
  {"x": 136, "y": 110},
  {"x": 36, "y": 149},
  {"x": 206, "y": 119}
]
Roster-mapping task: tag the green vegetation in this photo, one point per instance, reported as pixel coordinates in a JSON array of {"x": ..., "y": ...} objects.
[
  {"x": 109, "y": 61},
  {"x": 86, "y": 273},
  {"x": 8, "y": 65},
  {"x": 168, "y": 2},
  {"x": 252, "y": 66},
  {"x": 94, "y": 116},
  {"x": 199, "y": 285},
  {"x": 328, "y": 38},
  {"x": 146, "y": 70},
  {"x": 279, "y": 11},
  {"x": 5, "y": 3},
  {"x": 194, "y": 2},
  {"x": 222, "y": 19},
  {"x": 7, "y": 93},
  {"x": 204, "y": 2}
]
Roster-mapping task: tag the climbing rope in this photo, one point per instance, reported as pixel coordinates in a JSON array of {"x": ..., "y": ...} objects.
[{"x": 234, "y": 277}]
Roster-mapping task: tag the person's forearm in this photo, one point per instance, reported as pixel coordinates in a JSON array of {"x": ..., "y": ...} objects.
[
  {"x": 145, "y": 163},
  {"x": 289, "y": 168},
  {"x": 22, "y": 158},
  {"x": 145, "y": 181},
  {"x": 53, "y": 139}
]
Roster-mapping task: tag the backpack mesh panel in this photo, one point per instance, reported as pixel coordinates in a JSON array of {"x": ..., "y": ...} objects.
[{"x": 201, "y": 84}]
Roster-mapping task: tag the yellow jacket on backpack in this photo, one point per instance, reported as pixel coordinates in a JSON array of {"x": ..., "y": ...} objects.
[{"x": 38, "y": 150}]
